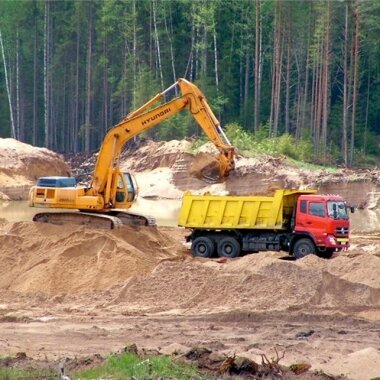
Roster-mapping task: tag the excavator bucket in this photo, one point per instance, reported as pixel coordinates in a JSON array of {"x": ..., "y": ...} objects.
[{"x": 208, "y": 168}]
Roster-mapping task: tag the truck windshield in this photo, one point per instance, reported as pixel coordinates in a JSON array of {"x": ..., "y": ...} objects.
[{"x": 337, "y": 210}]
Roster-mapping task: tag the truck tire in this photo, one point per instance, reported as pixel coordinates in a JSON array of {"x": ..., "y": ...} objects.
[
  {"x": 228, "y": 247},
  {"x": 327, "y": 254},
  {"x": 203, "y": 247},
  {"x": 303, "y": 247}
]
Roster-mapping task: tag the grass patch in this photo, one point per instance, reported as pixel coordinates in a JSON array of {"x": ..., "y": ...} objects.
[
  {"x": 124, "y": 366},
  {"x": 251, "y": 145},
  {"x": 311, "y": 166},
  {"x": 27, "y": 373}
]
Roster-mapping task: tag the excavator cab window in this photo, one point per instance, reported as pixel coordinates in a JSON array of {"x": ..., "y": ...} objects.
[
  {"x": 126, "y": 190},
  {"x": 120, "y": 190},
  {"x": 130, "y": 185}
]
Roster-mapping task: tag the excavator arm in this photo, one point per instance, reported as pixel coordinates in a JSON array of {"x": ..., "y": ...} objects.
[{"x": 145, "y": 117}]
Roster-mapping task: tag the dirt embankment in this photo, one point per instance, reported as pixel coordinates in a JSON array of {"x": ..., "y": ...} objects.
[
  {"x": 21, "y": 164},
  {"x": 167, "y": 169}
]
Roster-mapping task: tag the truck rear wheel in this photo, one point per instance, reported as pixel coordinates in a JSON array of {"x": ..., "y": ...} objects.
[
  {"x": 303, "y": 247},
  {"x": 228, "y": 247},
  {"x": 203, "y": 247}
]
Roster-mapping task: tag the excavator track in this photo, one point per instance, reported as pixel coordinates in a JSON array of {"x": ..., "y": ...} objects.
[
  {"x": 116, "y": 219},
  {"x": 134, "y": 219}
]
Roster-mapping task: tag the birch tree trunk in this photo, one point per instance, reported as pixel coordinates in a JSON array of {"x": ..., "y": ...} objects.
[
  {"x": 13, "y": 129},
  {"x": 106, "y": 110},
  {"x": 246, "y": 86},
  {"x": 34, "y": 122},
  {"x": 134, "y": 58},
  {"x": 366, "y": 111},
  {"x": 18, "y": 111},
  {"x": 154, "y": 6},
  {"x": 287, "y": 90},
  {"x": 46, "y": 86},
  {"x": 325, "y": 84},
  {"x": 48, "y": 75},
  {"x": 356, "y": 43},
  {"x": 277, "y": 72},
  {"x": 306, "y": 85},
  {"x": 345, "y": 88},
  {"x": 169, "y": 33},
  {"x": 88, "y": 84},
  {"x": 216, "y": 61},
  {"x": 257, "y": 73},
  {"x": 76, "y": 93}
]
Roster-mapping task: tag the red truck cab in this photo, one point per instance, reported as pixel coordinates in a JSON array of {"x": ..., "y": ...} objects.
[{"x": 324, "y": 220}]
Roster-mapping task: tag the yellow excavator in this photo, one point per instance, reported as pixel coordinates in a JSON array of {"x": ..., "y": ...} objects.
[{"x": 104, "y": 202}]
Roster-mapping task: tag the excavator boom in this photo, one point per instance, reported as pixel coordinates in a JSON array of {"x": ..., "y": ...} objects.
[{"x": 142, "y": 119}]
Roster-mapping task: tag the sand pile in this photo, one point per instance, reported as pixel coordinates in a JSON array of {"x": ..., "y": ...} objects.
[
  {"x": 54, "y": 260},
  {"x": 21, "y": 164},
  {"x": 149, "y": 270},
  {"x": 259, "y": 282}
]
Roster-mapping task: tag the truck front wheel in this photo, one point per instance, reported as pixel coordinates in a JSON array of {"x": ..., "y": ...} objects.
[
  {"x": 228, "y": 247},
  {"x": 203, "y": 247},
  {"x": 303, "y": 247}
]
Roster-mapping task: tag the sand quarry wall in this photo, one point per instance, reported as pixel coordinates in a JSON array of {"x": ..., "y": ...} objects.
[{"x": 21, "y": 164}]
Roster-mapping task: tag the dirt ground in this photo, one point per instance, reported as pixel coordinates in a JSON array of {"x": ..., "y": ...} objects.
[
  {"x": 75, "y": 293},
  {"x": 80, "y": 294}
]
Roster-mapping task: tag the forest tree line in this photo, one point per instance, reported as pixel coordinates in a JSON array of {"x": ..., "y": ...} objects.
[{"x": 310, "y": 69}]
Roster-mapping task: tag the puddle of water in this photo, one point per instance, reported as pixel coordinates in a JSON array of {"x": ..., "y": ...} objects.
[{"x": 165, "y": 211}]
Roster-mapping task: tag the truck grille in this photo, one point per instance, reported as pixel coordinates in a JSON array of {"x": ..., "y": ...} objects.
[{"x": 341, "y": 231}]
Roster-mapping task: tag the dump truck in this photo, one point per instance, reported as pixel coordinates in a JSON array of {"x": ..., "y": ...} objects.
[{"x": 299, "y": 222}]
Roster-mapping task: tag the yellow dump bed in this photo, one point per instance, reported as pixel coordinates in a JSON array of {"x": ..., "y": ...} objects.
[{"x": 239, "y": 212}]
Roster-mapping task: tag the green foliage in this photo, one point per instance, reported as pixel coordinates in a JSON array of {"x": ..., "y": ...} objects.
[
  {"x": 127, "y": 365},
  {"x": 286, "y": 144},
  {"x": 175, "y": 128},
  {"x": 211, "y": 43}
]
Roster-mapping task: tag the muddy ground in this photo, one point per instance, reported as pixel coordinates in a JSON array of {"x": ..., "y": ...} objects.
[{"x": 77, "y": 295}]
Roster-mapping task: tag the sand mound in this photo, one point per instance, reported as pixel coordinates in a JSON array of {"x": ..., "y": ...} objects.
[
  {"x": 359, "y": 365},
  {"x": 45, "y": 258},
  {"x": 149, "y": 270},
  {"x": 254, "y": 282},
  {"x": 21, "y": 164}
]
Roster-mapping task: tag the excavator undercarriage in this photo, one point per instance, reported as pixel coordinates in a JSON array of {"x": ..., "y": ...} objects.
[{"x": 112, "y": 220}]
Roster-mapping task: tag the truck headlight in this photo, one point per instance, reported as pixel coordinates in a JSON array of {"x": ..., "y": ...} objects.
[{"x": 331, "y": 239}]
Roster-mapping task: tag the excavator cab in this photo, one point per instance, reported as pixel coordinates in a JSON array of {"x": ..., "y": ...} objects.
[{"x": 126, "y": 190}]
